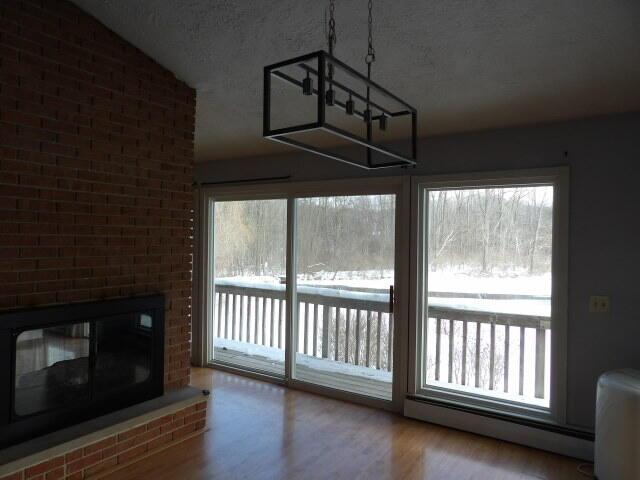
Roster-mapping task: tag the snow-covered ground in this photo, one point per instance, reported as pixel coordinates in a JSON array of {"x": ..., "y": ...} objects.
[
  {"x": 451, "y": 282},
  {"x": 512, "y": 283},
  {"x": 324, "y": 365}
]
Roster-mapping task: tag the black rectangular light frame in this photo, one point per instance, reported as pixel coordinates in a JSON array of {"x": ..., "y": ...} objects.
[{"x": 282, "y": 134}]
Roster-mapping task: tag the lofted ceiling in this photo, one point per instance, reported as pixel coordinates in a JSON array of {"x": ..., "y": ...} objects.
[{"x": 466, "y": 65}]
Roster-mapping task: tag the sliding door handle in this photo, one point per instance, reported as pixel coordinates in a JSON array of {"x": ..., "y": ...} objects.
[{"x": 391, "y": 299}]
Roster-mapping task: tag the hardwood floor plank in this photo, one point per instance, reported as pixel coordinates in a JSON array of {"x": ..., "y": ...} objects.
[{"x": 259, "y": 430}]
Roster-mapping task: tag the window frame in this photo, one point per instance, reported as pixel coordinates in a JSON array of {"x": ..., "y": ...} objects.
[{"x": 559, "y": 179}]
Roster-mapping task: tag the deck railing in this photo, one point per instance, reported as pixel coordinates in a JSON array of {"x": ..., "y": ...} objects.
[
  {"x": 357, "y": 328},
  {"x": 461, "y": 330},
  {"x": 346, "y": 326}
]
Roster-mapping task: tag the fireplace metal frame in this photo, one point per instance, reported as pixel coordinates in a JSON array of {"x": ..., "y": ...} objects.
[{"x": 15, "y": 428}]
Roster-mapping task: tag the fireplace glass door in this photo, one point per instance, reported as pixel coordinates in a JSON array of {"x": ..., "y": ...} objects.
[
  {"x": 124, "y": 351},
  {"x": 52, "y": 368}
]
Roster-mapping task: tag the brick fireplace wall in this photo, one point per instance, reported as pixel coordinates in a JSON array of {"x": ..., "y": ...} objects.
[{"x": 96, "y": 159}]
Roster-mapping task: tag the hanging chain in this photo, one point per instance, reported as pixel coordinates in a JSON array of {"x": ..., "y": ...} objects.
[
  {"x": 332, "y": 38},
  {"x": 371, "y": 53}
]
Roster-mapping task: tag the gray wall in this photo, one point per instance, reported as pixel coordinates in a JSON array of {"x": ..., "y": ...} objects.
[{"x": 604, "y": 253}]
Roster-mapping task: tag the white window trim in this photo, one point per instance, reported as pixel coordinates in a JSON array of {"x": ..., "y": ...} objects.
[{"x": 559, "y": 178}]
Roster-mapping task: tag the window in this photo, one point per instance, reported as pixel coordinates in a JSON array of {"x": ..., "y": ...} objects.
[{"x": 488, "y": 315}]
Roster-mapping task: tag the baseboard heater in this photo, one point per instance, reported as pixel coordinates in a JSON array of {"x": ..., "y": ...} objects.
[{"x": 524, "y": 431}]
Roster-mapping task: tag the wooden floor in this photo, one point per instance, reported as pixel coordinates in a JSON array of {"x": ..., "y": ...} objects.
[{"x": 258, "y": 430}]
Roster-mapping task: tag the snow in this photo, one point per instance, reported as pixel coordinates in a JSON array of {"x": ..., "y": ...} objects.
[
  {"x": 539, "y": 308},
  {"x": 511, "y": 283},
  {"x": 325, "y": 365},
  {"x": 451, "y": 282}
]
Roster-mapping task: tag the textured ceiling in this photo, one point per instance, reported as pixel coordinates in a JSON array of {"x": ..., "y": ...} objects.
[{"x": 466, "y": 65}]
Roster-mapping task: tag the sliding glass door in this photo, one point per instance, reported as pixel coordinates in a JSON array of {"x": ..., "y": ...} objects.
[
  {"x": 345, "y": 248},
  {"x": 249, "y": 286},
  {"x": 339, "y": 248}
]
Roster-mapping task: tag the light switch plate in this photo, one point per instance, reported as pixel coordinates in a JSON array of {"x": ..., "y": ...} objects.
[{"x": 599, "y": 304}]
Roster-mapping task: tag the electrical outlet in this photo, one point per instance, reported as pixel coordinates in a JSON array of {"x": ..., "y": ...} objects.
[{"x": 599, "y": 304}]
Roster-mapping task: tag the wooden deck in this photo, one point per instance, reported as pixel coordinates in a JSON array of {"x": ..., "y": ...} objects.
[
  {"x": 359, "y": 384},
  {"x": 262, "y": 431}
]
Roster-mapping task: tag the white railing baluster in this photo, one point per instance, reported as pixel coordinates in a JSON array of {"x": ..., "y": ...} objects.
[
  {"x": 464, "y": 353},
  {"x": 477, "y": 369},
  {"x": 450, "y": 351},
  {"x": 390, "y": 344},
  {"x": 336, "y": 339},
  {"x": 438, "y": 334},
  {"x": 521, "y": 379},
  {"x": 379, "y": 341},
  {"x": 346, "y": 329},
  {"x": 314, "y": 321},
  {"x": 492, "y": 355},
  {"x": 306, "y": 328},
  {"x": 235, "y": 332},
  {"x": 256, "y": 302},
  {"x": 506, "y": 359},
  {"x": 281, "y": 324},
  {"x": 272, "y": 321},
  {"x": 219, "y": 317},
  {"x": 357, "y": 359},
  {"x": 264, "y": 320},
  {"x": 325, "y": 331},
  {"x": 368, "y": 341},
  {"x": 226, "y": 315},
  {"x": 244, "y": 321},
  {"x": 541, "y": 340}
]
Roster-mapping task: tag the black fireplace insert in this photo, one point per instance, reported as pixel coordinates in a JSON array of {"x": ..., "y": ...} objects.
[{"x": 66, "y": 364}]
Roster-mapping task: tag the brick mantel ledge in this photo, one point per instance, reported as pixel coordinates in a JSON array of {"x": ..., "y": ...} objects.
[{"x": 116, "y": 446}]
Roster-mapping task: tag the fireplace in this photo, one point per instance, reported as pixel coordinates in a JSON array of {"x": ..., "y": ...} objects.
[{"x": 66, "y": 364}]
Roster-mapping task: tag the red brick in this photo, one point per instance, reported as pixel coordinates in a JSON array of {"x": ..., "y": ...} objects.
[
  {"x": 44, "y": 467},
  {"x": 184, "y": 431},
  {"x": 84, "y": 462},
  {"x": 132, "y": 453},
  {"x": 96, "y": 165},
  {"x": 158, "y": 442},
  {"x": 74, "y": 455},
  {"x": 102, "y": 444},
  {"x": 100, "y": 467},
  {"x": 173, "y": 425},
  {"x": 184, "y": 412},
  {"x": 194, "y": 417},
  {"x": 160, "y": 421},
  {"x": 13, "y": 476},
  {"x": 56, "y": 474},
  {"x": 109, "y": 452},
  {"x": 131, "y": 433}
]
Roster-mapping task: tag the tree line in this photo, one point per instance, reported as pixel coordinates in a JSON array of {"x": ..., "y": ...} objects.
[{"x": 475, "y": 229}]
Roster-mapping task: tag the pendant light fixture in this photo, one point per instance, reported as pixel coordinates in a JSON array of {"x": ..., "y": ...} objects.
[{"x": 324, "y": 106}]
